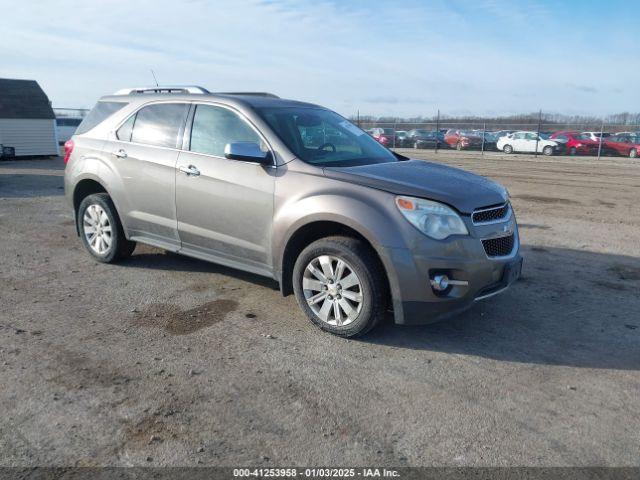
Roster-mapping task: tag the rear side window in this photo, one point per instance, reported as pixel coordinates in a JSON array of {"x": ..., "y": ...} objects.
[
  {"x": 99, "y": 114},
  {"x": 159, "y": 124},
  {"x": 214, "y": 127}
]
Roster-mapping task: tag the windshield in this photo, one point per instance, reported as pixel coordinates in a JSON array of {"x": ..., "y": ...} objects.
[{"x": 322, "y": 137}]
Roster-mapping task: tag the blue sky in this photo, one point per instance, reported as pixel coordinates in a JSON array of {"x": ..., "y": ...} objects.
[{"x": 382, "y": 57}]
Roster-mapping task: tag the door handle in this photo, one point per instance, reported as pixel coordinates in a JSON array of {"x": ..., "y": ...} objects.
[
  {"x": 191, "y": 170},
  {"x": 121, "y": 153}
]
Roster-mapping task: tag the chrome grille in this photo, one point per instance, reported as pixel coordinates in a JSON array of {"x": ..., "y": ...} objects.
[
  {"x": 488, "y": 215},
  {"x": 499, "y": 247}
]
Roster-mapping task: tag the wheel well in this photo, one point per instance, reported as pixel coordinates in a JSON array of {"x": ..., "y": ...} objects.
[
  {"x": 84, "y": 189},
  {"x": 310, "y": 233}
]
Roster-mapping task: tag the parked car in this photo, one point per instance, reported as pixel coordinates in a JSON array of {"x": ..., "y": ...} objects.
[
  {"x": 462, "y": 139},
  {"x": 418, "y": 138},
  {"x": 526, "y": 142},
  {"x": 576, "y": 143},
  {"x": 626, "y": 145},
  {"x": 385, "y": 136},
  {"x": 502, "y": 133},
  {"x": 401, "y": 138},
  {"x": 350, "y": 230},
  {"x": 595, "y": 136},
  {"x": 66, "y": 127}
]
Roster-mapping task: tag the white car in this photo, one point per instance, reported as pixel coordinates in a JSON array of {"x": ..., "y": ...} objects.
[
  {"x": 526, "y": 142},
  {"x": 595, "y": 136}
]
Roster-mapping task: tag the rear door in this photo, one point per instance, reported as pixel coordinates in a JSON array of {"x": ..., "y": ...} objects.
[
  {"x": 225, "y": 210},
  {"x": 518, "y": 141},
  {"x": 145, "y": 154}
]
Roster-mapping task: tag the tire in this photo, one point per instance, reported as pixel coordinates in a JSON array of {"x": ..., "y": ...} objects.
[
  {"x": 548, "y": 151},
  {"x": 633, "y": 153},
  {"x": 371, "y": 287},
  {"x": 508, "y": 149},
  {"x": 573, "y": 151},
  {"x": 111, "y": 245}
]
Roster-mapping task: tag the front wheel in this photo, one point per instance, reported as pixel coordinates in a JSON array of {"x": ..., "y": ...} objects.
[
  {"x": 633, "y": 153},
  {"x": 100, "y": 229},
  {"x": 340, "y": 285},
  {"x": 508, "y": 149},
  {"x": 548, "y": 151}
]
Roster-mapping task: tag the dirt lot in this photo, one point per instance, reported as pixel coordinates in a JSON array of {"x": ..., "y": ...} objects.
[{"x": 164, "y": 360}]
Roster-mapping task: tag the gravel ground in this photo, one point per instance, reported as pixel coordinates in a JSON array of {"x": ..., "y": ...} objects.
[{"x": 164, "y": 360}]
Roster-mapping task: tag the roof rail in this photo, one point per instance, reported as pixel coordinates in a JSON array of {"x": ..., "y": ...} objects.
[
  {"x": 251, "y": 94},
  {"x": 163, "y": 89}
]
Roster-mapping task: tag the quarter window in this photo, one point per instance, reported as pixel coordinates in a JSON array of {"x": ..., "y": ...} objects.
[
  {"x": 124, "y": 132},
  {"x": 215, "y": 127},
  {"x": 159, "y": 124}
]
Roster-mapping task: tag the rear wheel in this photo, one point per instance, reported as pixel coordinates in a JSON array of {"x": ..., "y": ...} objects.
[
  {"x": 340, "y": 285},
  {"x": 100, "y": 229},
  {"x": 633, "y": 153},
  {"x": 548, "y": 150},
  {"x": 508, "y": 149}
]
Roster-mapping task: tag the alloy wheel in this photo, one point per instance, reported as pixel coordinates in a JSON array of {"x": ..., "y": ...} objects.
[
  {"x": 97, "y": 229},
  {"x": 332, "y": 290}
]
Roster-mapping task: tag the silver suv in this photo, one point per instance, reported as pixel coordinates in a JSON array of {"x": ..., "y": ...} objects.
[{"x": 291, "y": 191}]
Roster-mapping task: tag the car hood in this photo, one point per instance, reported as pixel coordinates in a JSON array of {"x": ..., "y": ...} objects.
[{"x": 462, "y": 190}]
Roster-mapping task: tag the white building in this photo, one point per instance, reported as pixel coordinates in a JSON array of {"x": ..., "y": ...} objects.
[{"x": 27, "y": 121}]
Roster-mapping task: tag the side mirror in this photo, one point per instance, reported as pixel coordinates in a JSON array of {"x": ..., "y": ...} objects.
[{"x": 247, "y": 152}]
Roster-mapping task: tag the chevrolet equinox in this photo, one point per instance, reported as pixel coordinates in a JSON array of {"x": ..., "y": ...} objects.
[{"x": 291, "y": 191}]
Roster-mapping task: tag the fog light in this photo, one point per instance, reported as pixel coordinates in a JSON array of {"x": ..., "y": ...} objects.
[{"x": 440, "y": 282}]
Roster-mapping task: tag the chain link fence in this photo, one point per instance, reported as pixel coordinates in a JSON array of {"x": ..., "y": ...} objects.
[{"x": 523, "y": 135}]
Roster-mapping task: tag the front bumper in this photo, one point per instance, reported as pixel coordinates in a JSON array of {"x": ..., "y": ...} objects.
[{"x": 462, "y": 259}]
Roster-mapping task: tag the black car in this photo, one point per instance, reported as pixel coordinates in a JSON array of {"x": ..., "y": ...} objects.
[{"x": 418, "y": 138}]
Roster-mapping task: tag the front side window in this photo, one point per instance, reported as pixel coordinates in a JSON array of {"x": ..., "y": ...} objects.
[
  {"x": 159, "y": 124},
  {"x": 322, "y": 137},
  {"x": 214, "y": 127}
]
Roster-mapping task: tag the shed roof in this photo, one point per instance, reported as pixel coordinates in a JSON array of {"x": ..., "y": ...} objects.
[{"x": 23, "y": 99}]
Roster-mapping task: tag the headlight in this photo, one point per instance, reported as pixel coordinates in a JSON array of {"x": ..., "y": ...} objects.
[{"x": 434, "y": 219}]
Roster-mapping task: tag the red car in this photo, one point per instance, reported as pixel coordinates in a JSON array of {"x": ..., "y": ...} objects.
[
  {"x": 577, "y": 143},
  {"x": 627, "y": 145},
  {"x": 385, "y": 136},
  {"x": 460, "y": 139}
]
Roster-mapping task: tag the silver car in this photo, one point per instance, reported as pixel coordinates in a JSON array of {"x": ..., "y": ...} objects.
[{"x": 291, "y": 191}]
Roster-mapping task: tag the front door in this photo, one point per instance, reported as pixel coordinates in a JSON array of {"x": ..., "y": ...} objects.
[{"x": 224, "y": 207}]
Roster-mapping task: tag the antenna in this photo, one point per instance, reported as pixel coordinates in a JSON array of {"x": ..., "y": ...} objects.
[{"x": 154, "y": 77}]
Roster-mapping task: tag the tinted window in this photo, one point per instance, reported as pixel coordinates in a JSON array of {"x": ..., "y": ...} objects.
[
  {"x": 99, "y": 114},
  {"x": 159, "y": 124},
  {"x": 214, "y": 127},
  {"x": 124, "y": 132}
]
